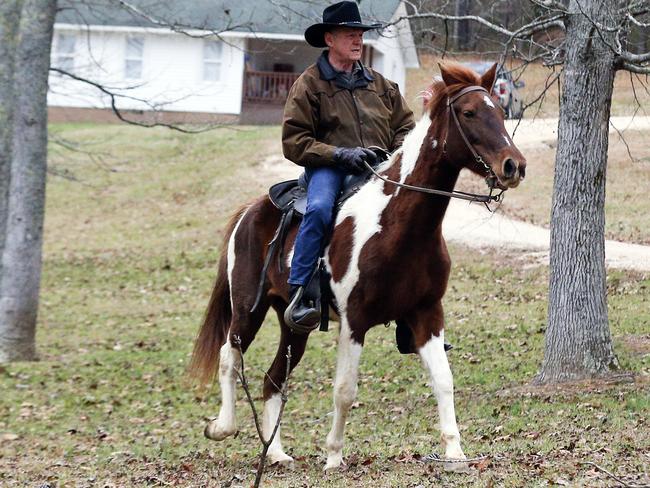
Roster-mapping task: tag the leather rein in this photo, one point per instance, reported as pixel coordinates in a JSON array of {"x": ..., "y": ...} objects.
[{"x": 472, "y": 197}]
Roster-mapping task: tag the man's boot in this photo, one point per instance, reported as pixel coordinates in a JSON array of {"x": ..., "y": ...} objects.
[{"x": 302, "y": 314}]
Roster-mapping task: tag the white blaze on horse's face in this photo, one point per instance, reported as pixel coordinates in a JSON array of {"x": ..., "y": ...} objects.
[{"x": 488, "y": 102}]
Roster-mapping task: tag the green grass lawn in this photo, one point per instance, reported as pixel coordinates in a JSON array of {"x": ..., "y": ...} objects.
[{"x": 130, "y": 255}]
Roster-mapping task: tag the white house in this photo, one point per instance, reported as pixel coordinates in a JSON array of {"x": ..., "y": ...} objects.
[{"x": 164, "y": 60}]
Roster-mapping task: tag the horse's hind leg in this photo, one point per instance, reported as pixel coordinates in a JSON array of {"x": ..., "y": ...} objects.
[
  {"x": 225, "y": 424},
  {"x": 273, "y": 382},
  {"x": 428, "y": 329},
  {"x": 242, "y": 331},
  {"x": 245, "y": 259}
]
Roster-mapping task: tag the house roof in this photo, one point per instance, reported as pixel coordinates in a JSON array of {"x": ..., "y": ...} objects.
[{"x": 259, "y": 16}]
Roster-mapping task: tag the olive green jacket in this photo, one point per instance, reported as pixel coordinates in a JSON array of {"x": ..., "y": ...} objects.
[{"x": 320, "y": 116}]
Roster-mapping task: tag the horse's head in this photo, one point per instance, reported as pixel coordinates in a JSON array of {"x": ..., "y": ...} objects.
[{"x": 476, "y": 137}]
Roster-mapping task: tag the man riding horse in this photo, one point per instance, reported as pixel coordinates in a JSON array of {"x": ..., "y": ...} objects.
[
  {"x": 386, "y": 259},
  {"x": 335, "y": 111}
]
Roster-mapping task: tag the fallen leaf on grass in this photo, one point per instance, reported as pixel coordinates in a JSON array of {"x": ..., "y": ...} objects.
[
  {"x": 8, "y": 437},
  {"x": 482, "y": 465},
  {"x": 406, "y": 457},
  {"x": 353, "y": 460},
  {"x": 368, "y": 460}
]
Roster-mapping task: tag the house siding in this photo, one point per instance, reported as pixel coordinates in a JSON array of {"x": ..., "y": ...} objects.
[
  {"x": 172, "y": 80},
  {"x": 396, "y": 50},
  {"x": 172, "y": 73}
]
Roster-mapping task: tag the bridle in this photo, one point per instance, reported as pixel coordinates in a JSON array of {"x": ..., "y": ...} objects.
[
  {"x": 472, "y": 197},
  {"x": 477, "y": 156}
]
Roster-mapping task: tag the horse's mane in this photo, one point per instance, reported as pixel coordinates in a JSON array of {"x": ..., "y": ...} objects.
[
  {"x": 435, "y": 104},
  {"x": 438, "y": 92}
]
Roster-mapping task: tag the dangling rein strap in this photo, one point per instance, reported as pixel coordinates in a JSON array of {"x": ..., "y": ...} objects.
[
  {"x": 472, "y": 197},
  {"x": 276, "y": 245}
]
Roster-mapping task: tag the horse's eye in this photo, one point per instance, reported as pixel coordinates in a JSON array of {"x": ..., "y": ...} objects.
[{"x": 468, "y": 113}]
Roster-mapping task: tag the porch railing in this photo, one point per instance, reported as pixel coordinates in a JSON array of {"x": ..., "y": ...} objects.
[{"x": 268, "y": 86}]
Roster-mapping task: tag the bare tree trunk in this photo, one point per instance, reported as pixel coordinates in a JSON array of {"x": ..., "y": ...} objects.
[
  {"x": 462, "y": 27},
  {"x": 9, "y": 16},
  {"x": 21, "y": 259},
  {"x": 578, "y": 341}
]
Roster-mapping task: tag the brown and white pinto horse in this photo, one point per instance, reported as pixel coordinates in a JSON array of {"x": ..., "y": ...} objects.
[{"x": 387, "y": 259}]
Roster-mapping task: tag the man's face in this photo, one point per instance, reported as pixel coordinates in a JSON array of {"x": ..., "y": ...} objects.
[{"x": 345, "y": 43}]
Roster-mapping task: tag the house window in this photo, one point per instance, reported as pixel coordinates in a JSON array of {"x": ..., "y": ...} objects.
[
  {"x": 212, "y": 51},
  {"x": 133, "y": 58},
  {"x": 64, "y": 52}
]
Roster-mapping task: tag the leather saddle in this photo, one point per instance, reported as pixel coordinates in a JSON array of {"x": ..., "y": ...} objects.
[{"x": 293, "y": 193}]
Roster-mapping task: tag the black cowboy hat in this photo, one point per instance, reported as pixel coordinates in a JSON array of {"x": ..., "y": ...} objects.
[{"x": 341, "y": 14}]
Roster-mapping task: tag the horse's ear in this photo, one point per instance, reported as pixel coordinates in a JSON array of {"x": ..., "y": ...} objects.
[
  {"x": 487, "y": 80},
  {"x": 448, "y": 75}
]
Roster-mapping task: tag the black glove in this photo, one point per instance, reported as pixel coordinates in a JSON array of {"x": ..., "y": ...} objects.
[{"x": 352, "y": 158}]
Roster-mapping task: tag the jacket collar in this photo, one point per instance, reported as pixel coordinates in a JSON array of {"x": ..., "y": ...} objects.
[{"x": 328, "y": 73}]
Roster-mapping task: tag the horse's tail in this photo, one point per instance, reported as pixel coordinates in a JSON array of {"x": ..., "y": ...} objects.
[{"x": 213, "y": 332}]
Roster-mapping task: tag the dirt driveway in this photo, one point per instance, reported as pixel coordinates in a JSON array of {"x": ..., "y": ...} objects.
[{"x": 535, "y": 132}]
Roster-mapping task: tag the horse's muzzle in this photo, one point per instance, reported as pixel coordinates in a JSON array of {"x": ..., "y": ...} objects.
[{"x": 512, "y": 172}]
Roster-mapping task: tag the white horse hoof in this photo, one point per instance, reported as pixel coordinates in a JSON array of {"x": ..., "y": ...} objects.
[
  {"x": 215, "y": 432},
  {"x": 281, "y": 459},
  {"x": 334, "y": 461},
  {"x": 457, "y": 466}
]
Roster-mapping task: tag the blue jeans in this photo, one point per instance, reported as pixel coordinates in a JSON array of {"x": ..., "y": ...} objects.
[{"x": 323, "y": 187}]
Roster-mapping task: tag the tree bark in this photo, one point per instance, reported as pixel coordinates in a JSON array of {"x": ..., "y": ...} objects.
[
  {"x": 578, "y": 340},
  {"x": 462, "y": 26},
  {"x": 21, "y": 258},
  {"x": 9, "y": 16}
]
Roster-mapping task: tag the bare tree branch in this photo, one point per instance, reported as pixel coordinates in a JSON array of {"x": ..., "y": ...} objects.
[
  {"x": 636, "y": 22},
  {"x": 635, "y": 58},
  {"x": 266, "y": 443},
  {"x": 455, "y": 18},
  {"x": 624, "y": 59},
  {"x": 634, "y": 68},
  {"x": 551, "y": 79},
  {"x": 118, "y": 112},
  {"x": 200, "y": 32},
  {"x": 551, "y": 5}
]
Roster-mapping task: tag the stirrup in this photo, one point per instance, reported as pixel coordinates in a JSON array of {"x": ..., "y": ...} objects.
[{"x": 307, "y": 323}]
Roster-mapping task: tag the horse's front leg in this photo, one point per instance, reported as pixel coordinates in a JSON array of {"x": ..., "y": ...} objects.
[
  {"x": 428, "y": 329},
  {"x": 345, "y": 391}
]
